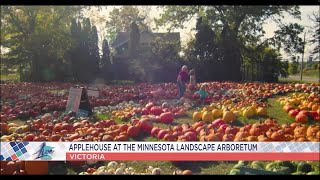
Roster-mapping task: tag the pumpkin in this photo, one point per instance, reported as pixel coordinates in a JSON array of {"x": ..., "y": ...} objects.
[
  {"x": 197, "y": 116},
  {"x": 252, "y": 138},
  {"x": 228, "y": 137},
  {"x": 262, "y": 111},
  {"x": 287, "y": 108},
  {"x": 228, "y": 116},
  {"x": 287, "y": 129},
  {"x": 207, "y": 116},
  {"x": 301, "y": 118},
  {"x": 9, "y": 168},
  {"x": 187, "y": 172},
  {"x": 312, "y": 130},
  {"x": 166, "y": 117},
  {"x": 263, "y": 138},
  {"x": 294, "y": 112},
  {"x": 300, "y": 131},
  {"x": 214, "y": 137},
  {"x": 256, "y": 130},
  {"x": 36, "y": 167},
  {"x": 232, "y": 130},
  {"x": 216, "y": 113},
  {"x": 121, "y": 137},
  {"x": 241, "y": 136},
  {"x": 288, "y": 137},
  {"x": 156, "y": 110},
  {"x": 278, "y": 135},
  {"x": 133, "y": 131}
]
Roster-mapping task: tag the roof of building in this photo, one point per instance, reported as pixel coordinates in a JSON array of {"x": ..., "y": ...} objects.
[{"x": 123, "y": 37}]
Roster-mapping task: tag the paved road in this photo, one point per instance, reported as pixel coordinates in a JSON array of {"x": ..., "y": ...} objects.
[{"x": 311, "y": 79}]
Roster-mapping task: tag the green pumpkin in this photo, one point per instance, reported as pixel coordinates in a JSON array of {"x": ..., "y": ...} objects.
[
  {"x": 282, "y": 169},
  {"x": 304, "y": 167},
  {"x": 313, "y": 173},
  {"x": 243, "y": 162},
  {"x": 239, "y": 165},
  {"x": 270, "y": 166},
  {"x": 289, "y": 164},
  {"x": 234, "y": 172},
  {"x": 297, "y": 173},
  {"x": 257, "y": 164}
]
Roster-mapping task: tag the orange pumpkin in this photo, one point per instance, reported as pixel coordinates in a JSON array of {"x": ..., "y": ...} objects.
[
  {"x": 252, "y": 138},
  {"x": 263, "y": 138},
  {"x": 187, "y": 172},
  {"x": 9, "y": 168},
  {"x": 37, "y": 167},
  {"x": 312, "y": 130}
]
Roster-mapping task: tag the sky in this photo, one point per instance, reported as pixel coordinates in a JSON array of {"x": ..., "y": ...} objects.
[{"x": 186, "y": 32}]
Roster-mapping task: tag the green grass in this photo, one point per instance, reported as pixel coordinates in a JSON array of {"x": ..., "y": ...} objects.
[
  {"x": 287, "y": 80},
  {"x": 275, "y": 111},
  {"x": 10, "y": 77},
  {"x": 309, "y": 72}
]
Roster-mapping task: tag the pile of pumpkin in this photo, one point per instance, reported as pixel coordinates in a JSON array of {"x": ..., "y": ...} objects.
[
  {"x": 219, "y": 130},
  {"x": 228, "y": 114},
  {"x": 269, "y": 130},
  {"x": 49, "y": 129},
  {"x": 24, "y": 167},
  {"x": 281, "y": 167},
  {"x": 151, "y": 109},
  {"x": 115, "y": 168},
  {"x": 302, "y": 106}
]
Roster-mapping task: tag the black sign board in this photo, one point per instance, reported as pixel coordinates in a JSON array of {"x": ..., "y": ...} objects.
[{"x": 78, "y": 102}]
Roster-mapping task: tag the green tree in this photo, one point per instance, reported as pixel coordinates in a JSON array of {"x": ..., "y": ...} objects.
[
  {"x": 293, "y": 66},
  {"x": 120, "y": 19},
  {"x": 315, "y": 35},
  {"x": 236, "y": 27},
  {"x": 94, "y": 49},
  {"x": 134, "y": 40},
  {"x": 37, "y": 38},
  {"x": 105, "y": 61}
]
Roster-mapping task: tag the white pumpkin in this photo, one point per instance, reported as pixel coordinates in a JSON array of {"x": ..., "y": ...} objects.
[
  {"x": 122, "y": 165},
  {"x": 112, "y": 165},
  {"x": 103, "y": 173},
  {"x": 149, "y": 170},
  {"x": 156, "y": 171},
  {"x": 102, "y": 169},
  {"x": 111, "y": 170},
  {"x": 119, "y": 171},
  {"x": 129, "y": 170},
  {"x": 90, "y": 163}
]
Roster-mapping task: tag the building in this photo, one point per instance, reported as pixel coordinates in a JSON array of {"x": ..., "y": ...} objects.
[{"x": 121, "y": 43}]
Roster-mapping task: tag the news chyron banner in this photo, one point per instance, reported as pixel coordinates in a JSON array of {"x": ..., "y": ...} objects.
[{"x": 172, "y": 151}]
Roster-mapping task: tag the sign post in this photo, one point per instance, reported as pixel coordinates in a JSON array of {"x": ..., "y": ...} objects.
[{"x": 78, "y": 102}]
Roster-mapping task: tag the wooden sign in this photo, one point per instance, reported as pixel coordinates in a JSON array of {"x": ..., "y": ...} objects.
[
  {"x": 74, "y": 99},
  {"x": 78, "y": 102},
  {"x": 251, "y": 171}
]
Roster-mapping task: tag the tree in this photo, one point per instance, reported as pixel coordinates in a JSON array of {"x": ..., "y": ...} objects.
[
  {"x": 38, "y": 39},
  {"x": 105, "y": 62},
  {"x": 134, "y": 40},
  {"x": 236, "y": 27},
  {"x": 120, "y": 19},
  {"x": 94, "y": 49},
  {"x": 293, "y": 66},
  {"x": 315, "y": 35}
]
